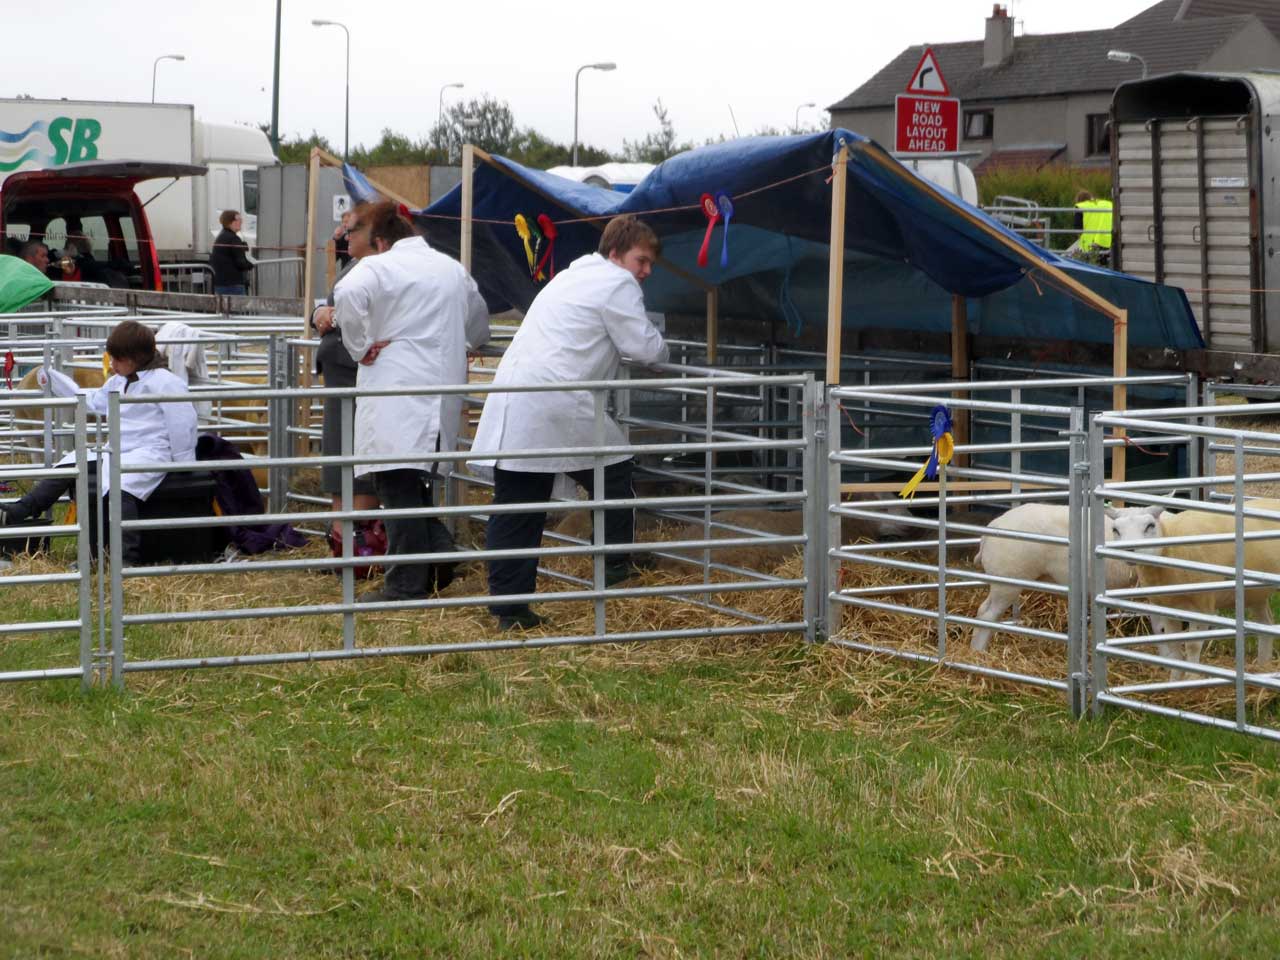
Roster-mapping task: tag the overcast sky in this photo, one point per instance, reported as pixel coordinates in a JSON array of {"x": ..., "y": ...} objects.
[{"x": 701, "y": 57}]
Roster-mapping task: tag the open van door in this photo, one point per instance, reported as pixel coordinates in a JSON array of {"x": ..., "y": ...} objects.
[{"x": 99, "y": 197}]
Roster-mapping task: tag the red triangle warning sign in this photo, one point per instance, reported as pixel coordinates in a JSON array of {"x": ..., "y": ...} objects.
[{"x": 928, "y": 76}]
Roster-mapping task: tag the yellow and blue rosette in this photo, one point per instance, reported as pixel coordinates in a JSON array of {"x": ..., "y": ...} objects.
[{"x": 944, "y": 446}]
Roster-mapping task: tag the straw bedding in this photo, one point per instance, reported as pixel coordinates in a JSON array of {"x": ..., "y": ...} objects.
[{"x": 241, "y": 590}]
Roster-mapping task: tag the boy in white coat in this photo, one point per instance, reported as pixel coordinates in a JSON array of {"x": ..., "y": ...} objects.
[
  {"x": 407, "y": 315},
  {"x": 578, "y": 328},
  {"x": 149, "y": 432}
]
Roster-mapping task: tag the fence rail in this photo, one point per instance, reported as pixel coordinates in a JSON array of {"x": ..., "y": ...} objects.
[{"x": 724, "y": 452}]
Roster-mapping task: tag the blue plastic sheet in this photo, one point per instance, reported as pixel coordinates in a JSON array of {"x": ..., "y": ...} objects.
[{"x": 909, "y": 245}]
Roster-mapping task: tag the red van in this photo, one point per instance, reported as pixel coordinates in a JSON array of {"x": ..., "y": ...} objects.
[{"x": 99, "y": 194}]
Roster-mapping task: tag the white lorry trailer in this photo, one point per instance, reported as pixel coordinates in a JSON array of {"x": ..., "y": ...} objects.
[{"x": 38, "y": 134}]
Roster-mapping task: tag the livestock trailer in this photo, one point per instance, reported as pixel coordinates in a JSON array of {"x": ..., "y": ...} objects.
[{"x": 1195, "y": 160}]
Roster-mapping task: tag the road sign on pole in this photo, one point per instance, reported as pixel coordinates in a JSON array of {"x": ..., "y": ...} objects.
[
  {"x": 927, "y": 78},
  {"x": 927, "y": 120}
]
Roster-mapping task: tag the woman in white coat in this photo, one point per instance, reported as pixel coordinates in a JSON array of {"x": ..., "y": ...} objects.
[
  {"x": 407, "y": 314},
  {"x": 578, "y": 328},
  {"x": 149, "y": 432}
]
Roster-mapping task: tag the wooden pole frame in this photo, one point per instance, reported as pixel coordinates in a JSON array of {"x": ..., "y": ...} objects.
[
  {"x": 1118, "y": 316},
  {"x": 318, "y": 158},
  {"x": 308, "y": 253},
  {"x": 960, "y": 369},
  {"x": 468, "y": 200},
  {"x": 599, "y": 224},
  {"x": 468, "y": 203},
  {"x": 835, "y": 271}
]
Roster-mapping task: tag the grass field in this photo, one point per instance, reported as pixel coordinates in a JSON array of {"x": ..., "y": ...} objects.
[{"x": 732, "y": 798}]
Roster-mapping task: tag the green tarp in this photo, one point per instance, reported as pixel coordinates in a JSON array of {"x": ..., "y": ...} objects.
[{"x": 20, "y": 284}]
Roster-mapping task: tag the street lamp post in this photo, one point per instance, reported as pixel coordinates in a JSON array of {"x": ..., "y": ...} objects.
[
  {"x": 275, "y": 90},
  {"x": 576, "y": 76},
  {"x": 346, "y": 134},
  {"x": 802, "y": 106},
  {"x": 1124, "y": 56},
  {"x": 440, "y": 106},
  {"x": 154, "y": 66}
]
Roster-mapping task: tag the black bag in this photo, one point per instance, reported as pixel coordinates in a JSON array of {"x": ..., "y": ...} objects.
[{"x": 13, "y": 546}]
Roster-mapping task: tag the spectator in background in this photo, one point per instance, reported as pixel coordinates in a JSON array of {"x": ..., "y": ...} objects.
[
  {"x": 338, "y": 369},
  {"x": 1094, "y": 221},
  {"x": 229, "y": 260},
  {"x": 36, "y": 254},
  {"x": 341, "y": 239}
]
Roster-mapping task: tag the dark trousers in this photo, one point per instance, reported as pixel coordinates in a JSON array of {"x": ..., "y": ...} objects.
[
  {"x": 404, "y": 490},
  {"x": 47, "y": 492},
  {"x": 511, "y": 531}
]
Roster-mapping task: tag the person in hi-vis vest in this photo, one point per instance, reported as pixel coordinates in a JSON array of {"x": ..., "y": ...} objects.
[{"x": 1094, "y": 223}]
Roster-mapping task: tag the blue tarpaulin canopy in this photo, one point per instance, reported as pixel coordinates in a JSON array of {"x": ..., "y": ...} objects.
[{"x": 909, "y": 246}]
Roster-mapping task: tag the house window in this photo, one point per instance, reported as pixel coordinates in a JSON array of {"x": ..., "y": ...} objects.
[
  {"x": 979, "y": 124},
  {"x": 1098, "y": 135}
]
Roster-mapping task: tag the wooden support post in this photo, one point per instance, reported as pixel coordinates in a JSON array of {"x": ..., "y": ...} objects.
[
  {"x": 303, "y": 409},
  {"x": 1119, "y": 393},
  {"x": 713, "y": 324},
  {"x": 835, "y": 273},
  {"x": 308, "y": 253},
  {"x": 960, "y": 370},
  {"x": 468, "y": 199},
  {"x": 330, "y": 264}
]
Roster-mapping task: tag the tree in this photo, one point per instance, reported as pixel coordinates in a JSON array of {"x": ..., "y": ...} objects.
[
  {"x": 297, "y": 149},
  {"x": 817, "y": 126},
  {"x": 395, "y": 148},
  {"x": 486, "y": 122},
  {"x": 534, "y": 150},
  {"x": 656, "y": 146}
]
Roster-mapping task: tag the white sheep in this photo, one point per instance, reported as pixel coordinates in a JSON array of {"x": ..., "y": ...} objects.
[
  {"x": 1033, "y": 560},
  {"x": 1261, "y": 555}
]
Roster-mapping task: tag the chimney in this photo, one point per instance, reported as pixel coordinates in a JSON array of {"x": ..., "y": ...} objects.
[{"x": 997, "y": 47}]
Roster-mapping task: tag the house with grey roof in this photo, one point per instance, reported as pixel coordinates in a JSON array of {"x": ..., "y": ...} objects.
[{"x": 1036, "y": 99}]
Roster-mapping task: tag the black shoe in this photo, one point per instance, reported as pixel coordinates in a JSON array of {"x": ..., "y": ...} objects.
[
  {"x": 442, "y": 574},
  {"x": 525, "y": 619}
]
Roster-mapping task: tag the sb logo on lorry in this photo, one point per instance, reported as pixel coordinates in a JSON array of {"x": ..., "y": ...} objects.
[{"x": 71, "y": 140}]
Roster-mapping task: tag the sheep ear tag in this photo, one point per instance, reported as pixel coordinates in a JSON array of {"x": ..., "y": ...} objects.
[
  {"x": 713, "y": 214},
  {"x": 944, "y": 446},
  {"x": 725, "y": 206}
]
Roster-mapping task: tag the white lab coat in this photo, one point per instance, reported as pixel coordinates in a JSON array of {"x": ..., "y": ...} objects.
[
  {"x": 187, "y": 361},
  {"x": 149, "y": 432},
  {"x": 578, "y": 328},
  {"x": 428, "y": 306}
]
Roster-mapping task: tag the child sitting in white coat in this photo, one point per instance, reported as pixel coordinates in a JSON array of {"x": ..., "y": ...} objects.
[{"x": 149, "y": 432}]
